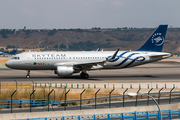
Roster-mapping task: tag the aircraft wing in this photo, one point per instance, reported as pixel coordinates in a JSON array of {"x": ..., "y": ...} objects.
[
  {"x": 82, "y": 65},
  {"x": 95, "y": 63},
  {"x": 89, "y": 65}
]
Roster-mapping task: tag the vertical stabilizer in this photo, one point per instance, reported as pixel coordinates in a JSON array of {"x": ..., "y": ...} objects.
[
  {"x": 156, "y": 40},
  {"x": 14, "y": 50}
]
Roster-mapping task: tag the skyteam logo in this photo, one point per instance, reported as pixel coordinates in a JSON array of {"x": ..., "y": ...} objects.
[
  {"x": 126, "y": 59},
  {"x": 157, "y": 39}
]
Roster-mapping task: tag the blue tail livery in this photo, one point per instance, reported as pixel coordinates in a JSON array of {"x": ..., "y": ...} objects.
[
  {"x": 14, "y": 50},
  {"x": 156, "y": 40}
]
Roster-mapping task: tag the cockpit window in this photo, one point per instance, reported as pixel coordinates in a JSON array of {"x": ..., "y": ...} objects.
[{"x": 15, "y": 58}]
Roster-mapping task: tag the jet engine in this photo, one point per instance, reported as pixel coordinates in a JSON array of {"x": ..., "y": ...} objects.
[{"x": 65, "y": 70}]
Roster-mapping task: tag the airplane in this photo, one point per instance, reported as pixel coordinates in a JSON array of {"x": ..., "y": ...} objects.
[
  {"x": 67, "y": 63},
  {"x": 13, "y": 52}
]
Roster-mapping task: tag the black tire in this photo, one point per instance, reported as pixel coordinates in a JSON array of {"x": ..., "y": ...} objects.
[
  {"x": 86, "y": 76},
  {"x": 82, "y": 75},
  {"x": 27, "y": 76}
]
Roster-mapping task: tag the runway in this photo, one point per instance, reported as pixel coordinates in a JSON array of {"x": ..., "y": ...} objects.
[{"x": 164, "y": 71}]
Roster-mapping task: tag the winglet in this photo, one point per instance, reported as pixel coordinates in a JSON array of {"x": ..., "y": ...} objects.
[
  {"x": 114, "y": 55},
  {"x": 98, "y": 49}
]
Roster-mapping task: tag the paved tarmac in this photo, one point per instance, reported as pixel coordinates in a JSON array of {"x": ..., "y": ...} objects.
[{"x": 165, "y": 71}]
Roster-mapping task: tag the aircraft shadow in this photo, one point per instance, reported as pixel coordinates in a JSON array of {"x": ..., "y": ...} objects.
[{"x": 77, "y": 77}]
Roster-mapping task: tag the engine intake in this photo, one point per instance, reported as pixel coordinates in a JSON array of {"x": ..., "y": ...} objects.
[{"x": 65, "y": 71}]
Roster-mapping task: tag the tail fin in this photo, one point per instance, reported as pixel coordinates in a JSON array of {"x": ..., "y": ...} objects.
[
  {"x": 14, "y": 50},
  {"x": 156, "y": 40}
]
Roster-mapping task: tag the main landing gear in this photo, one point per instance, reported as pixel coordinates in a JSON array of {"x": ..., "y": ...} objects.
[
  {"x": 84, "y": 75},
  {"x": 28, "y": 74}
]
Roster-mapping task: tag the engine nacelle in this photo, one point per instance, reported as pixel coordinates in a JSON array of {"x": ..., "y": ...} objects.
[{"x": 65, "y": 71}]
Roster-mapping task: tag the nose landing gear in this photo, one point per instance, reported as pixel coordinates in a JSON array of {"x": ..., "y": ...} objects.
[{"x": 28, "y": 74}]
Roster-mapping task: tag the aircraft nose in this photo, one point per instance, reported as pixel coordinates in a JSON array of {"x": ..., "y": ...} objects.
[{"x": 8, "y": 64}]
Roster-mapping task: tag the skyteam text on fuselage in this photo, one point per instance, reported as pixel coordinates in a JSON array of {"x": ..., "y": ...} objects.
[{"x": 67, "y": 63}]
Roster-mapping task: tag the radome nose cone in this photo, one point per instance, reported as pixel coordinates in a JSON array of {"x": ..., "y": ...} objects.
[{"x": 7, "y": 64}]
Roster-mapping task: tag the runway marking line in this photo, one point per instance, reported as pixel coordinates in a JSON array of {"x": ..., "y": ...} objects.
[{"x": 112, "y": 81}]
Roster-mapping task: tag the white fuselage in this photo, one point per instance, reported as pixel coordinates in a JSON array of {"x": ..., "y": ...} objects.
[{"x": 50, "y": 60}]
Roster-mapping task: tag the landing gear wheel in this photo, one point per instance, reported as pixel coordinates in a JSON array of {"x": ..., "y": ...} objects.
[
  {"x": 27, "y": 76},
  {"x": 84, "y": 75}
]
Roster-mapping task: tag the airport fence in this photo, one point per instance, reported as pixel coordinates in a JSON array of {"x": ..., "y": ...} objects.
[
  {"x": 143, "y": 115},
  {"x": 26, "y": 103},
  {"x": 107, "y": 85},
  {"x": 65, "y": 92},
  {"x": 124, "y": 98},
  {"x": 101, "y": 86}
]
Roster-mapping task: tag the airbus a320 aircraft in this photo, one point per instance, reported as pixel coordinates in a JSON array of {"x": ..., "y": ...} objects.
[{"x": 67, "y": 63}]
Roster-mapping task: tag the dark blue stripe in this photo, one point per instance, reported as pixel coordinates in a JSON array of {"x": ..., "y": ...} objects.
[
  {"x": 123, "y": 54},
  {"x": 136, "y": 59},
  {"x": 130, "y": 63},
  {"x": 126, "y": 59},
  {"x": 119, "y": 56}
]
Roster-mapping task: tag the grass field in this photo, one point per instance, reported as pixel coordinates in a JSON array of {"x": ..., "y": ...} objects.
[
  {"x": 4, "y": 59},
  {"x": 24, "y": 91}
]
